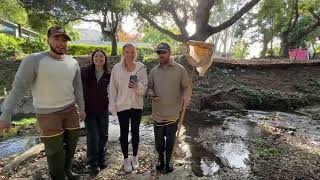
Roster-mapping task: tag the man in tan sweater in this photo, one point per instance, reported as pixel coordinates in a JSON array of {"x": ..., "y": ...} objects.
[{"x": 169, "y": 90}]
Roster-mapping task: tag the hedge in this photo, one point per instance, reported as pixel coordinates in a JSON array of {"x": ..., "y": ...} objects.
[
  {"x": 11, "y": 47},
  {"x": 84, "y": 49}
]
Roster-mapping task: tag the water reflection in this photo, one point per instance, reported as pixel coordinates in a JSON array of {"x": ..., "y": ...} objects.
[{"x": 17, "y": 145}]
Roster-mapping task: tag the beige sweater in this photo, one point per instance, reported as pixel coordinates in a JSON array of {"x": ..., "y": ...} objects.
[
  {"x": 121, "y": 97},
  {"x": 55, "y": 84},
  {"x": 170, "y": 83}
]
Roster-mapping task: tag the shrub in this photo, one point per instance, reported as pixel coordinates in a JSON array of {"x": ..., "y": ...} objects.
[
  {"x": 83, "y": 49},
  {"x": 318, "y": 49},
  {"x": 9, "y": 47},
  {"x": 35, "y": 44}
]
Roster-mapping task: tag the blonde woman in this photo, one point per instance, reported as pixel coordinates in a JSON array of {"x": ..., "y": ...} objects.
[{"x": 128, "y": 84}]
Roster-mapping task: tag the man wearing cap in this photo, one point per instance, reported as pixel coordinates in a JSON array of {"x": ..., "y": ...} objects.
[
  {"x": 169, "y": 90},
  {"x": 55, "y": 82}
]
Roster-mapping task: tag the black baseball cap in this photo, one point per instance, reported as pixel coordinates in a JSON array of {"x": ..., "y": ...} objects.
[
  {"x": 56, "y": 31},
  {"x": 163, "y": 47}
]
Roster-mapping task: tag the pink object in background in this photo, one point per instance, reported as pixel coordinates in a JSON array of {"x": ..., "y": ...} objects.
[{"x": 299, "y": 54}]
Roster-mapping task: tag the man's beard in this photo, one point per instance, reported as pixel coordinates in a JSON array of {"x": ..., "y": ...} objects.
[
  {"x": 165, "y": 61},
  {"x": 53, "y": 49}
]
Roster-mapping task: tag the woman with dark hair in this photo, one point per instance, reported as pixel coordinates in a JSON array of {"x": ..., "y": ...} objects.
[
  {"x": 95, "y": 80},
  {"x": 128, "y": 85}
]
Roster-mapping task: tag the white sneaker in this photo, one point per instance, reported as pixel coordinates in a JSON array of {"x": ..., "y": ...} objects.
[
  {"x": 135, "y": 162},
  {"x": 127, "y": 165}
]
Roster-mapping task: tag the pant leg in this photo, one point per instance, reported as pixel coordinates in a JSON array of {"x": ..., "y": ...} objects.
[
  {"x": 103, "y": 125},
  {"x": 71, "y": 124},
  {"x": 51, "y": 132},
  {"x": 124, "y": 117},
  {"x": 135, "y": 129},
  {"x": 70, "y": 144},
  {"x": 159, "y": 135},
  {"x": 55, "y": 156},
  {"x": 170, "y": 133},
  {"x": 92, "y": 139}
]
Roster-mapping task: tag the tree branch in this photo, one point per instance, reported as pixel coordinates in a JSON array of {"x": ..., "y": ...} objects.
[
  {"x": 303, "y": 34},
  {"x": 296, "y": 9},
  {"x": 203, "y": 14},
  {"x": 116, "y": 23},
  {"x": 234, "y": 18},
  {"x": 181, "y": 25},
  {"x": 162, "y": 30},
  {"x": 90, "y": 20}
]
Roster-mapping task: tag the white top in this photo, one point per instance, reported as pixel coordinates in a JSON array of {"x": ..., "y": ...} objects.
[{"x": 121, "y": 97}]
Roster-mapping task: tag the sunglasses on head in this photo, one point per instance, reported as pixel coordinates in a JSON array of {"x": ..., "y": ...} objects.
[{"x": 162, "y": 52}]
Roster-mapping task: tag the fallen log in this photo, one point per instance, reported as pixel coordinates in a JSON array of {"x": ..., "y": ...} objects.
[{"x": 26, "y": 156}]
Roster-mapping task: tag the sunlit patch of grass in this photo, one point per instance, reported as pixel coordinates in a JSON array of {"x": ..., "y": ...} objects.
[
  {"x": 265, "y": 150},
  {"x": 24, "y": 122},
  {"x": 18, "y": 125},
  {"x": 10, "y": 133},
  {"x": 146, "y": 120}
]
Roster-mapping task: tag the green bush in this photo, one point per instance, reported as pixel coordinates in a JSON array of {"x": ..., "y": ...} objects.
[
  {"x": 35, "y": 44},
  {"x": 9, "y": 47},
  {"x": 145, "y": 53},
  {"x": 83, "y": 49},
  {"x": 318, "y": 49}
]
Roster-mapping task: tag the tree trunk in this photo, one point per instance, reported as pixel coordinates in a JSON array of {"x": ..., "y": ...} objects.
[
  {"x": 112, "y": 37},
  {"x": 264, "y": 49},
  {"x": 271, "y": 47},
  {"x": 114, "y": 51},
  {"x": 216, "y": 41},
  {"x": 314, "y": 51},
  {"x": 225, "y": 41},
  {"x": 285, "y": 46},
  {"x": 201, "y": 36},
  {"x": 232, "y": 39}
]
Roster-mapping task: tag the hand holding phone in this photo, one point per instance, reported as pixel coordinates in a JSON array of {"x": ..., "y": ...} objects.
[{"x": 133, "y": 82}]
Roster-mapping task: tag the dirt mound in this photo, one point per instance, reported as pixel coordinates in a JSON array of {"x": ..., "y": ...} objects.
[{"x": 264, "y": 87}]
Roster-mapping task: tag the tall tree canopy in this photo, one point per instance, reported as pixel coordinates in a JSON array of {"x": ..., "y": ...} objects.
[
  {"x": 108, "y": 14},
  {"x": 294, "y": 22},
  {"x": 12, "y": 11},
  {"x": 183, "y": 12}
]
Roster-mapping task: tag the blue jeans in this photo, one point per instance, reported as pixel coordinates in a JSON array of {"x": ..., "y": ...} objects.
[{"x": 97, "y": 136}]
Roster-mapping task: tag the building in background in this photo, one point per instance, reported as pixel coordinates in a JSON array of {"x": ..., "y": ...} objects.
[{"x": 15, "y": 30}]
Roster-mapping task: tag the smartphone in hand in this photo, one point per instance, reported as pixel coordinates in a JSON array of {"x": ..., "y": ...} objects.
[{"x": 133, "y": 78}]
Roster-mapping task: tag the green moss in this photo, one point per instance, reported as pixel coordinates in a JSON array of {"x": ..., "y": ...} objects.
[
  {"x": 24, "y": 122},
  {"x": 20, "y": 124},
  {"x": 146, "y": 120},
  {"x": 263, "y": 149}
]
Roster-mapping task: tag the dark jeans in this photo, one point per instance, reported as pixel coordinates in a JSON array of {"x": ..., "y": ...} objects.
[
  {"x": 164, "y": 138},
  {"x": 124, "y": 118},
  {"x": 97, "y": 136}
]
